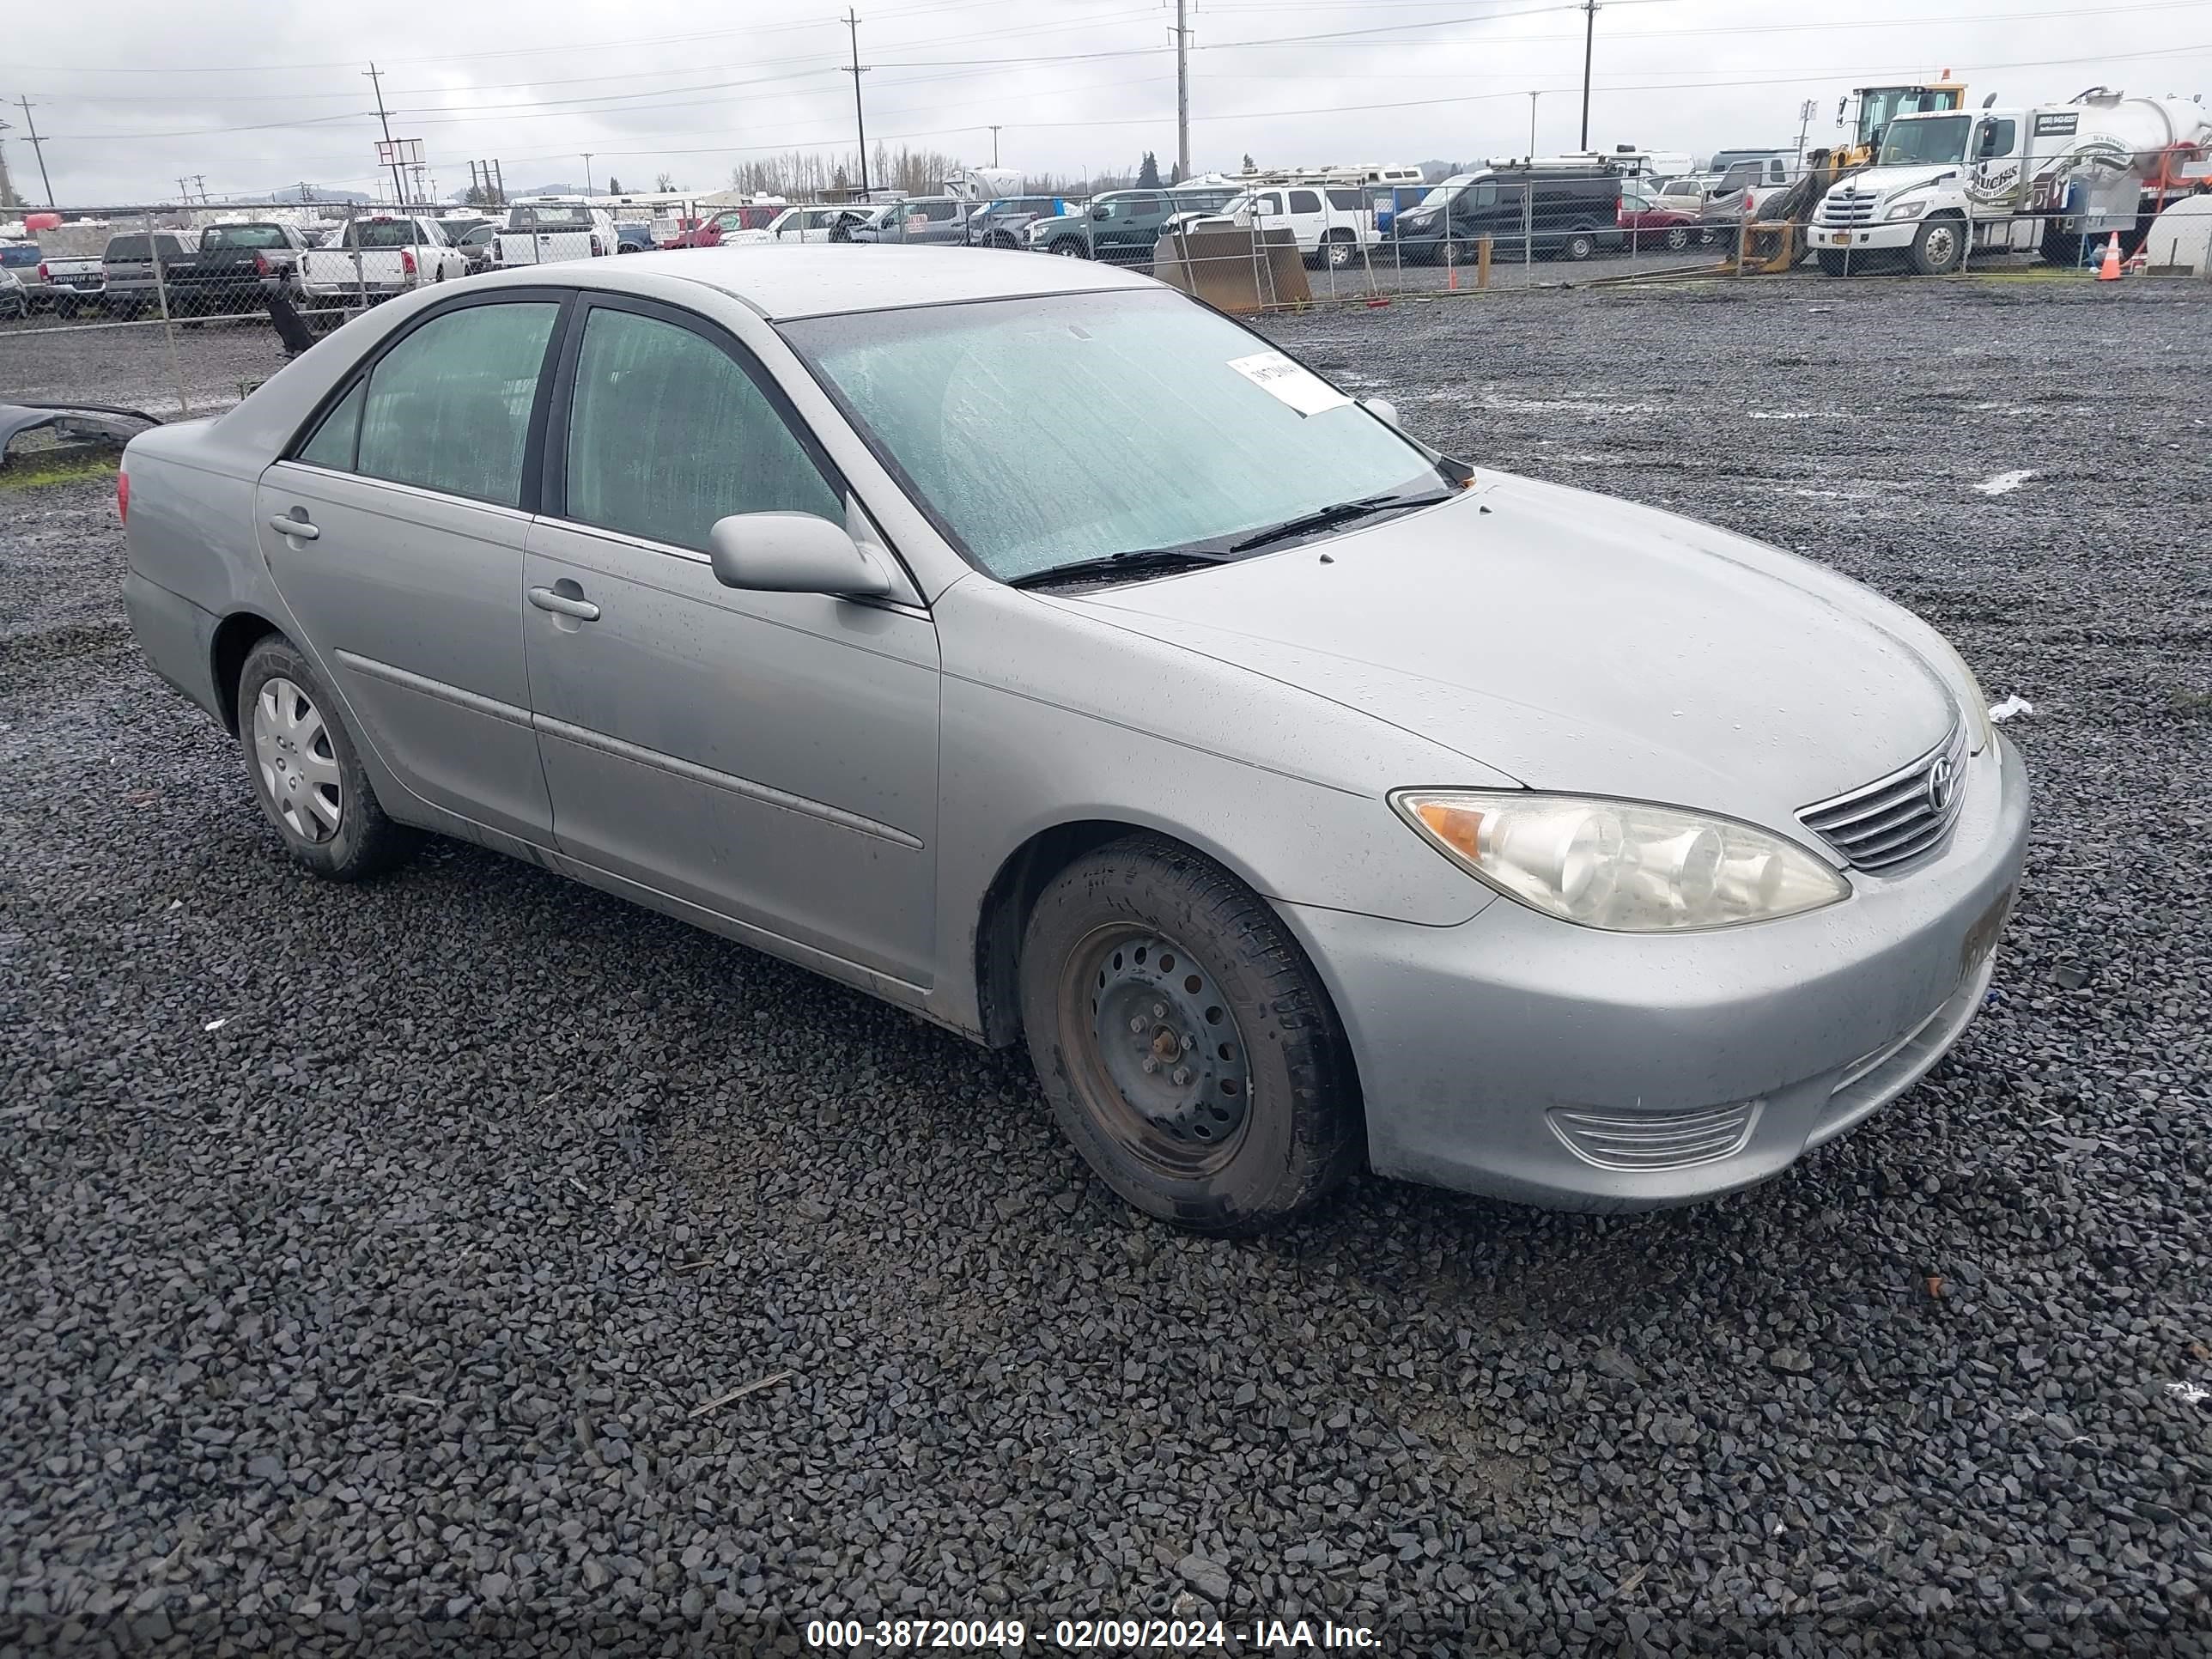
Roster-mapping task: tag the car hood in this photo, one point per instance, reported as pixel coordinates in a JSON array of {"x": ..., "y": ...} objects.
[
  {"x": 1578, "y": 643},
  {"x": 1886, "y": 182}
]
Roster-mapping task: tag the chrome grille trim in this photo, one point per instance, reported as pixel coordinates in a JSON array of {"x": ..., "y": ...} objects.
[
  {"x": 1654, "y": 1140},
  {"x": 1846, "y": 207},
  {"x": 1895, "y": 819}
]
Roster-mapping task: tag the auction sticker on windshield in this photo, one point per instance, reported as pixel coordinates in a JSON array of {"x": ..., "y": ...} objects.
[{"x": 1300, "y": 387}]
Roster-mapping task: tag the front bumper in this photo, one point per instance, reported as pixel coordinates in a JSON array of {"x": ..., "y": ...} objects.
[
  {"x": 1520, "y": 1057},
  {"x": 1871, "y": 238}
]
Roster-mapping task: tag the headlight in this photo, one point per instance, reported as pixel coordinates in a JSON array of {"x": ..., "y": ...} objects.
[
  {"x": 1421, "y": 218},
  {"x": 1905, "y": 209},
  {"x": 1979, "y": 731},
  {"x": 1620, "y": 866}
]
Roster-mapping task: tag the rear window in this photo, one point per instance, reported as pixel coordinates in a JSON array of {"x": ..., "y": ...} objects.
[
  {"x": 550, "y": 218},
  {"x": 1349, "y": 201},
  {"x": 381, "y": 232},
  {"x": 15, "y": 258},
  {"x": 135, "y": 247},
  {"x": 220, "y": 236}
]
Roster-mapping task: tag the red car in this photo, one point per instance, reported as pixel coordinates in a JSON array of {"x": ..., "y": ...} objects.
[
  {"x": 1650, "y": 224},
  {"x": 708, "y": 232}
]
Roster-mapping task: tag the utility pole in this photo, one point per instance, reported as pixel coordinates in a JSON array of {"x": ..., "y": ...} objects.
[
  {"x": 499, "y": 185},
  {"x": 1532, "y": 97},
  {"x": 1590, "y": 45},
  {"x": 994, "y": 147},
  {"x": 37, "y": 146},
  {"x": 587, "y": 172},
  {"x": 1182, "y": 88},
  {"x": 859, "y": 119},
  {"x": 399, "y": 190},
  {"x": 1805, "y": 111}
]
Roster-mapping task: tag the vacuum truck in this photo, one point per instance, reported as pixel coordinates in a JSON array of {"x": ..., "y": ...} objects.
[{"x": 1947, "y": 184}]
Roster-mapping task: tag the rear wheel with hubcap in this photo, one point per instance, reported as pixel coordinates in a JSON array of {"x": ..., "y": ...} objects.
[
  {"x": 1337, "y": 250},
  {"x": 306, "y": 771},
  {"x": 1184, "y": 1042},
  {"x": 1579, "y": 245}
]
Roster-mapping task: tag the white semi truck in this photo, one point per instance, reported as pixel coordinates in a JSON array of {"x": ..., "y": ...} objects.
[{"x": 2037, "y": 178}]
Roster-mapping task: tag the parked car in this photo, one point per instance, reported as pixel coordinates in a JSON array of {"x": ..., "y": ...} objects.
[
  {"x": 233, "y": 262},
  {"x": 479, "y": 244},
  {"x": 1342, "y": 804},
  {"x": 1001, "y": 223},
  {"x": 14, "y": 304},
  {"x": 70, "y": 265},
  {"x": 128, "y": 269},
  {"x": 1568, "y": 212},
  {"x": 795, "y": 225},
  {"x": 1652, "y": 220},
  {"x": 928, "y": 220},
  {"x": 378, "y": 255},
  {"x": 1122, "y": 225},
  {"x": 21, "y": 261},
  {"x": 633, "y": 236},
  {"x": 547, "y": 232},
  {"x": 714, "y": 229}
]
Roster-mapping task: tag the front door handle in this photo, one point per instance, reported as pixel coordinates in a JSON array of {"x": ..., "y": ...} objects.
[
  {"x": 561, "y": 605},
  {"x": 290, "y": 526}
]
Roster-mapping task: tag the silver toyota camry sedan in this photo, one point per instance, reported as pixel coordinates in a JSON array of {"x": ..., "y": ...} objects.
[{"x": 1035, "y": 649}]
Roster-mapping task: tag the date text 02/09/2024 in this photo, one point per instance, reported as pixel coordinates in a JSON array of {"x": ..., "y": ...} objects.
[{"x": 1014, "y": 1635}]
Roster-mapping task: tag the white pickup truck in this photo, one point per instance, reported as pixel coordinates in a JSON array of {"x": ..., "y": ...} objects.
[
  {"x": 547, "y": 232},
  {"x": 378, "y": 255}
]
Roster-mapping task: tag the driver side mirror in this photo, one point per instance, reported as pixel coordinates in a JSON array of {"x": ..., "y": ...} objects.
[
  {"x": 1102, "y": 213},
  {"x": 1382, "y": 408},
  {"x": 792, "y": 553}
]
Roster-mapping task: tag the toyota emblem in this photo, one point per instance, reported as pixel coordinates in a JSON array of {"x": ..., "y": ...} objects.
[{"x": 1941, "y": 780}]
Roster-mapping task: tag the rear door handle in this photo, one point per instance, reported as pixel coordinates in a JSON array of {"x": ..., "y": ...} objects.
[
  {"x": 561, "y": 605},
  {"x": 290, "y": 526}
]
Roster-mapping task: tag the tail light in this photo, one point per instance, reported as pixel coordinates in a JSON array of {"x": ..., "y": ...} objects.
[
  {"x": 598, "y": 248},
  {"x": 45, "y": 276},
  {"x": 261, "y": 266},
  {"x": 407, "y": 260},
  {"x": 123, "y": 496}
]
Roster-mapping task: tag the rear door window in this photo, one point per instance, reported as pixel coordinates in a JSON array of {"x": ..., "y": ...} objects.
[
  {"x": 448, "y": 408},
  {"x": 1349, "y": 201},
  {"x": 1305, "y": 201}
]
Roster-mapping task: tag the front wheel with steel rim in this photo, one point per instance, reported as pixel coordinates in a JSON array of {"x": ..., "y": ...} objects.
[
  {"x": 307, "y": 772},
  {"x": 1940, "y": 248},
  {"x": 1184, "y": 1040}
]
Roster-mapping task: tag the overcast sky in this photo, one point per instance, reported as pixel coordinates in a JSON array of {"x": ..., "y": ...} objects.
[{"x": 256, "y": 95}]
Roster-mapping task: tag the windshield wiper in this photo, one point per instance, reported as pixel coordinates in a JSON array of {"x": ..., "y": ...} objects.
[
  {"x": 1328, "y": 518},
  {"x": 1137, "y": 561}
]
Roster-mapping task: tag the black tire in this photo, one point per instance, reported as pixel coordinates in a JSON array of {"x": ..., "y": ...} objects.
[
  {"x": 1678, "y": 238},
  {"x": 1939, "y": 246},
  {"x": 1248, "y": 1133},
  {"x": 364, "y": 842},
  {"x": 1579, "y": 245},
  {"x": 1338, "y": 251}
]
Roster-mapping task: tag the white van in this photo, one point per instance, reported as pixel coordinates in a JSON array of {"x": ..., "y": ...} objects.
[{"x": 547, "y": 232}]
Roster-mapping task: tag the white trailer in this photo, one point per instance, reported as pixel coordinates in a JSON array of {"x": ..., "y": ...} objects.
[{"x": 2031, "y": 179}]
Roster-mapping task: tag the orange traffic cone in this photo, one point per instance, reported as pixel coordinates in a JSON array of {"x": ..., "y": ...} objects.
[{"x": 2110, "y": 272}]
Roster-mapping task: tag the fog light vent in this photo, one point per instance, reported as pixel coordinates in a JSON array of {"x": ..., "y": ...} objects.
[{"x": 1655, "y": 1140}]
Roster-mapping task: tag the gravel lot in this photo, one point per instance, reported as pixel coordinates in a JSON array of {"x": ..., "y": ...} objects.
[{"x": 378, "y": 1257}]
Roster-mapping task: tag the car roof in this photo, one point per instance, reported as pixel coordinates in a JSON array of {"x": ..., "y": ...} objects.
[{"x": 825, "y": 279}]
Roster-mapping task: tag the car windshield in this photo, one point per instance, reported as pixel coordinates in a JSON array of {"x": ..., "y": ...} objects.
[
  {"x": 1926, "y": 138},
  {"x": 1042, "y": 432},
  {"x": 218, "y": 236},
  {"x": 1440, "y": 193}
]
